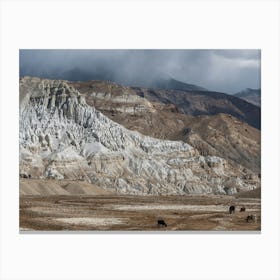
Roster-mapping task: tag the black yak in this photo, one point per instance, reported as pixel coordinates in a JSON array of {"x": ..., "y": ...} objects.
[
  {"x": 252, "y": 218},
  {"x": 231, "y": 209},
  {"x": 161, "y": 222}
]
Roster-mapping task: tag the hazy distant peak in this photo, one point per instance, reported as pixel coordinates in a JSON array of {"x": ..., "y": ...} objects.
[
  {"x": 256, "y": 91},
  {"x": 252, "y": 96},
  {"x": 171, "y": 83}
]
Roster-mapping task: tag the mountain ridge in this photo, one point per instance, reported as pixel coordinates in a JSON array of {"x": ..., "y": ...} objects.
[
  {"x": 166, "y": 121},
  {"x": 250, "y": 95},
  {"x": 62, "y": 137},
  {"x": 188, "y": 102},
  {"x": 174, "y": 84}
]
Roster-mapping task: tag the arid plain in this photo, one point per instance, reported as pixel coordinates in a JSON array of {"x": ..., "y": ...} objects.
[
  {"x": 110, "y": 212},
  {"x": 98, "y": 156}
]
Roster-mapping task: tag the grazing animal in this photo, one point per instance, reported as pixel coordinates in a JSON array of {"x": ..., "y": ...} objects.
[
  {"x": 161, "y": 223},
  {"x": 231, "y": 209},
  {"x": 251, "y": 218},
  {"x": 242, "y": 209}
]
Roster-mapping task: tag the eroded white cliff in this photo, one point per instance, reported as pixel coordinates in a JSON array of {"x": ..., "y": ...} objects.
[{"x": 61, "y": 137}]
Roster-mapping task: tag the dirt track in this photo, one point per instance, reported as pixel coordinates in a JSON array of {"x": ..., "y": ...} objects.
[{"x": 130, "y": 213}]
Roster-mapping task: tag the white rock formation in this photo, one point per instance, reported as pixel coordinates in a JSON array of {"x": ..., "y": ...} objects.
[{"x": 61, "y": 137}]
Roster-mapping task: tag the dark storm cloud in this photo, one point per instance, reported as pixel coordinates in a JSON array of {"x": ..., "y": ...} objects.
[{"x": 221, "y": 70}]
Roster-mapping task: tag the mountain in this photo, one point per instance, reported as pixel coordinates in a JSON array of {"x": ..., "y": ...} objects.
[
  {"x": 250, "y": 95},
  {"x": 102, "y": 73},
  {"x": 63, "y": 137},
  {"x": 220, "y": 135},
  {"x": 225, "y": 136},
  {"x": 192, "y": 103},
  {"x": 197, "y": 103},
  {"x": 72, "y": 74},
  {"x": 170, "y": 83},
  {"x": 77, "y": 74}
]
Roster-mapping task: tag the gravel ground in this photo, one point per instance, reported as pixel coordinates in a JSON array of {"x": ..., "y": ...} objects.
[{"x": 136, "y": 213}]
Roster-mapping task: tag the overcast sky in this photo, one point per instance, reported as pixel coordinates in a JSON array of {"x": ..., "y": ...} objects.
[{"x": 219, "y": 70}]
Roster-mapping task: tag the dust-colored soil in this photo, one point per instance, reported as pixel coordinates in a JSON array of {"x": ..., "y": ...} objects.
[
  {"x": 136, "y": 213},
  {"x": 47, "y": 187},
  {"x": 250, "y": 194}
]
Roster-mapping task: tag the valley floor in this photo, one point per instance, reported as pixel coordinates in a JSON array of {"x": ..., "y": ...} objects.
[{"x": 137, "y": 213}]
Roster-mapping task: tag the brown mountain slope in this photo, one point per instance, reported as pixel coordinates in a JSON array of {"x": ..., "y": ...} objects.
[
  {"x": 225, "y": 136},
  {"x": 192, "y": 103},
  {"x": 221, "y": 134},
  {"x": 205, "y": 103}
]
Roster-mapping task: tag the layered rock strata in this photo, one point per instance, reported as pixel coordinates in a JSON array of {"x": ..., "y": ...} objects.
[{"x": 62, "y": 137}]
